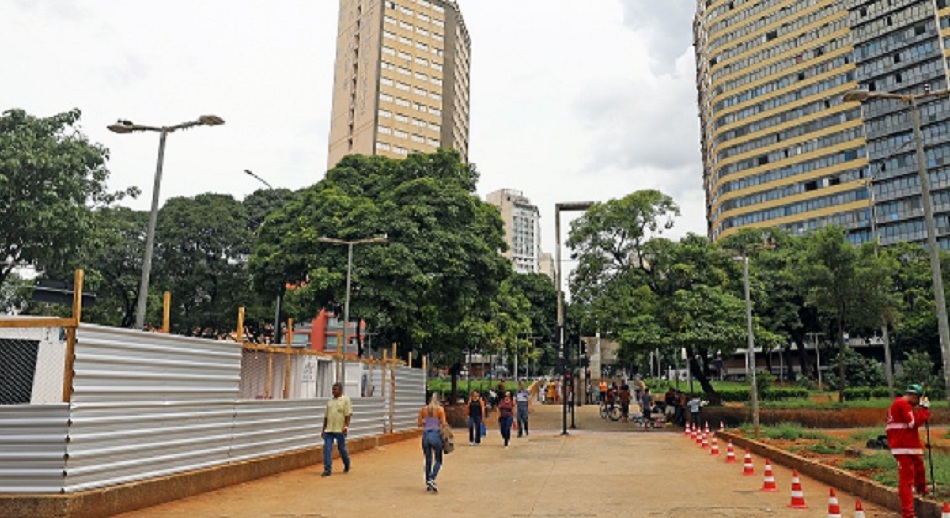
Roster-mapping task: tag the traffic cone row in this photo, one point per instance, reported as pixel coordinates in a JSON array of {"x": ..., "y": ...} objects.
[
  {"x": 768, "y": 483},
  {"x": 714, "y": 449}
]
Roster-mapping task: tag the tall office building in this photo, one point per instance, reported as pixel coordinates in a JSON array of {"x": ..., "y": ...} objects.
[
  {"x": 779, "y": 145},
  {"x": 522, "y": 229},
  {"x": 401, "y": 79}
]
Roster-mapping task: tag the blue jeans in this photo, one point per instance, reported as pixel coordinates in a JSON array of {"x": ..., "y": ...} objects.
[
  {"x": 505, "y": 424},
  {"x": 432, "y": 447},
  {"x": 340, "y": 439},
  {"x": 475, "y": 429},
  {"x": 522, "y": 421}
]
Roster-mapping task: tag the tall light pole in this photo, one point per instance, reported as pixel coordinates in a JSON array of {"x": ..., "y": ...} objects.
[
  {"x": 566, "y": 207},
  {"x": 911, "y": 100},
  {"x": 750, "y": 354},
  {"x": 346, "y": 305},
  {"x": 277, "y": 332},
  {"x": 125, "y": 126}
]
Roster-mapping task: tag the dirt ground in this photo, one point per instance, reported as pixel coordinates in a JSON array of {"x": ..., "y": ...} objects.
[{"x": 589, "y": 473}]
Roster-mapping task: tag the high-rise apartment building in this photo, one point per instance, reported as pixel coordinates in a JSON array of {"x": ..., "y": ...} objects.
[
  {"x": 401, "y": 79},
  {"x": 779, "y": 145},
  {"x": 522, "y": 229},
  {"x": 547, "y": 265}
]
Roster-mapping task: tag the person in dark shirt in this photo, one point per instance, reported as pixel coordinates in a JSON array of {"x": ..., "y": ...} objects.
[
  {"x": 506, "y": 408},
  {"x": 625, "y": 401},
  {"x": 476, "y": 413}
]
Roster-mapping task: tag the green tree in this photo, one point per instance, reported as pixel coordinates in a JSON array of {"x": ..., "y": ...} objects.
[
  {"x": 50, "y": 178},
  {"x": 847, "y": 283},
  {"x": 201, "y": 246},
  {"x": 429, "y": 287}
]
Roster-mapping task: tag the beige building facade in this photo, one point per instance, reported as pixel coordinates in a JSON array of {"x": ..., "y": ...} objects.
[
  {"x": 547, "y": 265},
  {"x": 401, "y": 79}
]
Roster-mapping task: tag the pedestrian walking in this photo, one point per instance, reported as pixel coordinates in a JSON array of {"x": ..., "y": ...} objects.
[
  {"x": 336, "y": 425},
  {"x": 904, "y": 418},
  {"x": 523, "y": 404},
  {"x": 431, "y": 420},
  {"x": 680, "y": 416},
  {"x": 505, "y": 417},
  {"x": 476, "y": 416}
]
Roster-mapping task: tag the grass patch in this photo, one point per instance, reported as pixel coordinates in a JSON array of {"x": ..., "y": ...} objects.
[
  {"x": 828, "y": 448},
  {"x": 865, "y": 434},
  {"x": 787, "y": 431}
]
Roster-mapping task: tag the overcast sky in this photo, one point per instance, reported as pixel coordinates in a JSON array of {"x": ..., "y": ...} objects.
[{"x": 572, "y": 100}]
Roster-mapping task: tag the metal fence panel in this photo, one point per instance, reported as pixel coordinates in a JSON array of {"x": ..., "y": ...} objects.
[
  {"x": 114, "y": 443},
  {"x": 124, "y": 365},
  {"x": 410, "y": 396},
  {"x": 32, "y": 448}
]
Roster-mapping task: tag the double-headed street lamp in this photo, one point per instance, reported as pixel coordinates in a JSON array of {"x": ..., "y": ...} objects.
[
  {"x": 912, "y": 100},
  {"x": 580, "y": 206},
  {"x": 750, "y": 353},
  {"x": 346, "y": 305},
  {"x": 125, "y": 126}
]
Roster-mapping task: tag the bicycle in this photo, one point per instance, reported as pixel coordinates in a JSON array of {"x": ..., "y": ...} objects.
[{"x": 610, "y": 411}]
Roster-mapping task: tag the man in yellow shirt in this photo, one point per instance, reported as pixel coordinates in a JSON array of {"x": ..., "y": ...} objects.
[{"x": 336, "y": 424}]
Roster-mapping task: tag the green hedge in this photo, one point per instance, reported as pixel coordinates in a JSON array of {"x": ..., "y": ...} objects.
[
  {"x": 772, "y": 394},
  {"x": 855, "y": 393}
]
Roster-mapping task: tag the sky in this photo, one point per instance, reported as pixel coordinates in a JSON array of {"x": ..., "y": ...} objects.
[{"x": 571, "y": 100}]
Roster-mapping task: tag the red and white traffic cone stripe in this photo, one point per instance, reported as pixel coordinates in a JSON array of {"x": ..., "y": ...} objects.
[
  {"x": 945, "y": 513},
  {"x": 688, "y": 430},
  {"x": 834, "y": 510},
  {"x": 798, "y": 496},
  {"x": 730, "y": 453},
  {"x": 699, "y": 437},
  {"x": 714, "y": 449},
  {"x": 858, "y": 509},
  {"x": 707, "y": 427},
  {"x": 722, "y": 427},
  {"x": 768, "y": 484},
  {"x": 705, "y": 442},
  {"x": 747, "y": 468}
]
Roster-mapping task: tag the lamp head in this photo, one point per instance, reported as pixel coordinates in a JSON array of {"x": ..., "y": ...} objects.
[
  {"x": 855, "y": 96},
  {"x": 122, "y": 126},
  {"x": 211, "y": 120}
]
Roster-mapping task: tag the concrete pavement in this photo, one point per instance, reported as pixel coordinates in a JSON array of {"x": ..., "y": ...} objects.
[{"x": 588, "y": 474}]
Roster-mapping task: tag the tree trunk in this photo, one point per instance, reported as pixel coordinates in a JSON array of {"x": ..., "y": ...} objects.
[
  {"x": 455, "y": 386},
  {"x": 841, "y": 363},
  {"x": 803, "y": 363},
  {"x": 700, "y": 376}
]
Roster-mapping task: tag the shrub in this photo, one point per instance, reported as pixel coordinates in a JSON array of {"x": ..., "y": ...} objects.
[
  {"x": 918, "y": 367},
  {"x": 860, "y": 371}
]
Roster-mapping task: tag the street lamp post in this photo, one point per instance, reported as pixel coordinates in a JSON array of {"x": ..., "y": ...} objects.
[
  {"x": 750, "y": 354},
  {"x": 125, "y": 126},
  {"x": 566, "y": 207},
  {"x": 346, "y": 304},
  {"x": 911, "y": 100},
  {"x": 277, "y": 305}
]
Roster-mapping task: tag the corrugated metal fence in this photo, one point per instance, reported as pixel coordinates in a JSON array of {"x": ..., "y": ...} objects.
[{"x": 146, "y": 405}]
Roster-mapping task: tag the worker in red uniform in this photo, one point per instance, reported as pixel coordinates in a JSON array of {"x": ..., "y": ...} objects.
[{"x": 906, "y": 415}]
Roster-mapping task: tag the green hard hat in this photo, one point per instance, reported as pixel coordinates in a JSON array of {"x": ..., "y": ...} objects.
[{"x": 914, "y": 389}]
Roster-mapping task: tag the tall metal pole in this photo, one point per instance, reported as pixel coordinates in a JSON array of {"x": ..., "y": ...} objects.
[
  {"x": 560, "y": 319},
  {"x": 346, "y": 312},
  {"x": 150, "y": 235},
  {"x": 939, "y": 297},
  {"x": 888, "y": 369},
  {"x": 754, "y": 389}
]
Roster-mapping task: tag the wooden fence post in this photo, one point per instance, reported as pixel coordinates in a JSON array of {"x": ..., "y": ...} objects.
[
  {"x": 70, "y": 360},
  {"x": 167, "y": 312},
  {"x": 290, "y": 339}
]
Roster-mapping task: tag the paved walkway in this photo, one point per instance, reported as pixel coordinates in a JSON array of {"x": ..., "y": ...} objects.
[{"x": 586, "y": 474}]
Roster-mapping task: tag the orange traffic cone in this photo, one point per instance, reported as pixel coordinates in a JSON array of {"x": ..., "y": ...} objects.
[
  {"x": 769, "y": 483},
  {"x": 722, "y": 426},
  {"x": 714, "y": 450},
  {"x": 747, "y": 468},
  {"x": 699, "y": 437},
  {"x": 798, "y": 496},
  {"x": 834, "y": 510},
  {"x": 730, "y": 453},
  {"x": 945, "y": 513},
  {"x": 705, "y": 443},
  {"x": 688, "y": 430},
  {"x": 707, "y": 427},
  {"x": 858, "y": 509}
]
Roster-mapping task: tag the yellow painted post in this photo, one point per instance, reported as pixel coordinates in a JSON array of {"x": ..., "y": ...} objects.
[
  {"x": 290, "y": 339},
  {"x": 167, "y": 312},
  {"x": 382, "y": 375},
  {"x": 270, "y": 372},
  {"x": 70, "y": 359},
  {"x": 239, "y": 336}
]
